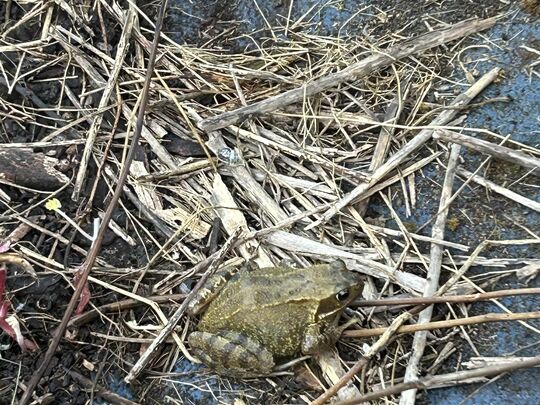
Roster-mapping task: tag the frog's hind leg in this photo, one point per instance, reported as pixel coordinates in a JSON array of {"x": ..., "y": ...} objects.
[{"x": 231, "y": 353}]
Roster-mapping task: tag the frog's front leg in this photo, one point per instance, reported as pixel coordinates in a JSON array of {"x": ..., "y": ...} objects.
[
  {"x": 213, "y": 287},
  {"x": 315, "y": 338},
  {"x": 231, "y": 353}
]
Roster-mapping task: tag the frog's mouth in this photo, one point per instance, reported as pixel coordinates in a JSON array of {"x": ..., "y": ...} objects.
[
  {"x": 328, "y": 316},
  {"x": 331, "y": 308}
]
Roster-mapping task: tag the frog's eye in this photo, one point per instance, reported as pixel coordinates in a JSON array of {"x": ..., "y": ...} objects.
[{"x": 342, "y": 295}]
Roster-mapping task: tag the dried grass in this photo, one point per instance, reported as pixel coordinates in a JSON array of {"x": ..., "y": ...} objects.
[{"x": 280, "y": 178}]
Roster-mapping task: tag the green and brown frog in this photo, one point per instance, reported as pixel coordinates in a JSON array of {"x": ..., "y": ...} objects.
[{"x": 263, "y": 315}]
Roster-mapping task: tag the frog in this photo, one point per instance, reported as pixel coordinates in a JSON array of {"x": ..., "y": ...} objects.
[{"x": 259, "y": 316}]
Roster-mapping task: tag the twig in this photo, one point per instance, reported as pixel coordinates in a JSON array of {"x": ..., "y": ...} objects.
[
  {"x": 434, "y": 272},
  {"x": 490, "y": 148},
  {"x": 449, "y": 299},
  {"x": 416, "y": 236},
  {"x": 421, "y": 138},
  {"x": 92, "y": 254},
  {"x": 526, "y": 202},
  {"x": 187, "y": 168},
  {"x": 472, "y": 320},
  {"x": 456, "y": 377},
  {"x": 380, "y": 153},
  {"x": 370, "y": 64},
  {"x": 118, "y": 306}
]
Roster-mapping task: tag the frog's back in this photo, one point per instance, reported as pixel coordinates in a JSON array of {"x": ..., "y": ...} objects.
[
  {"x": 255, "y": 290},
  {"x": 272, "y": 305}
]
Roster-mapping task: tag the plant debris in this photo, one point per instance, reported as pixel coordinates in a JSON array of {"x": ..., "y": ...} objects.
[{"x": 301, "y": 147}]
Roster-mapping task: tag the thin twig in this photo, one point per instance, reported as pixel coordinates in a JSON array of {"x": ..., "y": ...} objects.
[
  {"x": 473, "y": 320},
  {"x": 109, "y": 396},
  {"x": 434, "y": 272},
  {"x": 456, "y": 377}
]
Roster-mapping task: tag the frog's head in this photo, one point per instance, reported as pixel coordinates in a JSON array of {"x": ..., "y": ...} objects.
[{"x": 341, "y": 287}]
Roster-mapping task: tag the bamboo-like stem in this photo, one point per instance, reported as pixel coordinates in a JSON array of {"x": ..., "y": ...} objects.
[
  {"x": 456, "y": 377},
  {"x": 434, "y": 272},
  {"x": 490, "y": 148},
  {"x": 526, "y": 202},
  {"x": 449, "y": 299},
  {"x": 472, "y": 320}
]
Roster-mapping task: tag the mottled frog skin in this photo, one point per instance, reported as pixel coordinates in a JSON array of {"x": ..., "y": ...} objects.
[{"x": 261, "y": 315}]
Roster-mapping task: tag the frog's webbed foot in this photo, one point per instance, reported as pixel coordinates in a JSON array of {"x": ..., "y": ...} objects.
[
  {"x": 315, "y": 339},
  {"x": 231, "y": 353}
]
